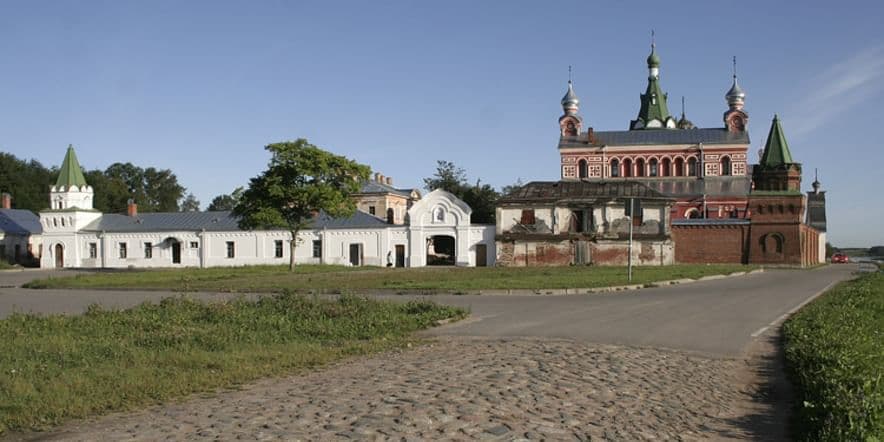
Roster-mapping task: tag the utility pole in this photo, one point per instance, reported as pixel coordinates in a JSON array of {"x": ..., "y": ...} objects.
[{"x": 631, "y": 202}]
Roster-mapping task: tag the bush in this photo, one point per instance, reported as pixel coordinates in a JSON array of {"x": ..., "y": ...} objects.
[{"x": 835, "y": 355}]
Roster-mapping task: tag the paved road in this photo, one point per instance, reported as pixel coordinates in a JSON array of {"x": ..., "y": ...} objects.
[{"x": 717, "y": 316}]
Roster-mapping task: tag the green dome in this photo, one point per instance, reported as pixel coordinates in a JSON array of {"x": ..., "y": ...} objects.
[{"x": 653, "y": 59}]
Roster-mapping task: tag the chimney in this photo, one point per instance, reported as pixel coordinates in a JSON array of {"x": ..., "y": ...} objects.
[
  {"x": 377, "y": 177},
  {"x": 381, "y": 178},
  {"x": 389, "y": 181},
  {"x": 132, "y": 208},
  {"x": 6, "y": 201}
]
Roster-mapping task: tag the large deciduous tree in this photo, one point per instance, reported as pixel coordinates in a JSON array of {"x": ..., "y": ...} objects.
[
  {"x": 226, "y": 201},
  {"x": 300, "y": 181}
]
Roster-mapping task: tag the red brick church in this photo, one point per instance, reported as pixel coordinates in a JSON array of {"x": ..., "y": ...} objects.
[{"x": 720, "y": 208}]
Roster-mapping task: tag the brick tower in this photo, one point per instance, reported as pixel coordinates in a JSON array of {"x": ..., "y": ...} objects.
[{"x": 777, "y": 234}]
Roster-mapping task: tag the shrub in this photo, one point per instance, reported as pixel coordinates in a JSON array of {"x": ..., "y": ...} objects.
[{"x": 835, "y": 355}]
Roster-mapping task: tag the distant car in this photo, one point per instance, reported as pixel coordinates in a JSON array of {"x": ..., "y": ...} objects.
[{"x": 840, "y": 258}]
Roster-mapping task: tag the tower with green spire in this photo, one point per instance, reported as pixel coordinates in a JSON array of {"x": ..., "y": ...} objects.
[
  {"x": 654, "y": 113},
  {"x": 777, "y": 172},
  {"x": 70, "y": 190}
]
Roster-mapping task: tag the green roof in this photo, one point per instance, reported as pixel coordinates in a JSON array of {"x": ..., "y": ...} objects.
[
  {"x": 653, "y": 106},
  {"x": 776, "y": 151},
  {"x": 71, "y": 174}
]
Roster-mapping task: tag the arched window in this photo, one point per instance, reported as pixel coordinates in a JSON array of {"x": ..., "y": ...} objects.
[
  {"x": 640, "y": 167},
  {"x": 390, "y": 217},
  {"x": 692, "y": 213},
  {"x": 725, "y": 166},
  {"x": 615, "y": 168},
  {"x": 666, "y": 169},
  {"x": 692, "y": 166},
  {"x": 772, "y": 243},
  {"x": 581, "y": 168},
  {"x": 627, "y": 168},
  {"x": 652, "y": 167},
  {"x": 679, "y": 167}
]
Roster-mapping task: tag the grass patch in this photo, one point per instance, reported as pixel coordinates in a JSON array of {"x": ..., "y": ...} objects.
[
  {"x": 331, "y": 278},
  {"x": 835, "y": 355},
  {"x": 59, "y": 367}
]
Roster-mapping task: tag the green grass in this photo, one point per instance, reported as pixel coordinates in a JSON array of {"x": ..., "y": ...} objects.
[
  {"x": 309, "y": 278},
  {"x": 835, "y": 355},
  {"x": 4, "y": 265},
  {"x": 60, "y": 367}
]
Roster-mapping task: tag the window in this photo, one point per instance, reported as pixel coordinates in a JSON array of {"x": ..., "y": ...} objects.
[
  {"x": 679, "y": 167},
  {"x": 123, "y": 252},
  {"x": 639, "y": 167},
  {"x": 581, "y": 168},
  {"x": 725, "y": 166},
  {"x": 615, "y": 168},
  {"x": 667, "y": 167},
  {"x": 527, "y": 217},
  {"x": 277, "y": 245},
  {"x": 148, "y": 250},
  {"x": 194, "y": 244},
  {"x": 652, "y": 167},
  {"x": 371, "y": 210},
  {"x": 93, "y": 250},
  {"x": 627, "y": 168},
  {"x": 317, "y": 248},
  {"x": 692, "y": 167},
  {"x": 231, "y": 249},
  {"x": 391, "y": 218}
]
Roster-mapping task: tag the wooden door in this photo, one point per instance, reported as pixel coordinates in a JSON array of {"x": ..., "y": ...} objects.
[
  {"x": 176, "y": 252},
  {"x": 481, "y": 255},
  {"x": 400, "y": 255},
  {"x": 355, "y": 255},
  {"x": 59, "y": 256}
]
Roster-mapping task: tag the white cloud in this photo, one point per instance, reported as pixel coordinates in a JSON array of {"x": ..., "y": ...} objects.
[{"x": 840, "y": 87}]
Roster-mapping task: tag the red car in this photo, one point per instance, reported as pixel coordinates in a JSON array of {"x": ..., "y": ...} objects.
[{"x": 840, "y": 258}]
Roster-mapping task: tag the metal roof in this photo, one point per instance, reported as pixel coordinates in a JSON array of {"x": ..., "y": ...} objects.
[
  {"x": 212, "y": 222},
  {"x": 376, "y": 187},
  {"x": 651, "y": 137},
  {"x": 20, "y": 222},
  {"x": 564, "y": 191},
  {"x": 164, "y": 221}
]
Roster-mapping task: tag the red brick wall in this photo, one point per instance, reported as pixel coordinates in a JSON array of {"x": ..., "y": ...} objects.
[{"x": 710, "y": 243}]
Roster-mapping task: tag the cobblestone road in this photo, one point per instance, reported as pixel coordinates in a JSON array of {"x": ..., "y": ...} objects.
[{"x": 460, "y": 388}]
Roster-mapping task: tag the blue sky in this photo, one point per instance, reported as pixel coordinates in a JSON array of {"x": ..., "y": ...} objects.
[{"x": 201, "y": 87}]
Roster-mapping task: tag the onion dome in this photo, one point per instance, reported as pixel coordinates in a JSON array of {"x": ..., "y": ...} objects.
[
  {"x": 653, "y": 59},
  {"x": 736, "y": 93},
  {"x": 570, "y": 102}
]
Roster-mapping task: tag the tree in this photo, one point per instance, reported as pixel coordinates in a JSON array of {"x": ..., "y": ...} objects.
[
  {"x": 226, "y": 202},
  {"x": 27, "y": 181},
  {"x": 190, "y": 204},
  {"x": 481, "y": 197},
  {"x": 155, "y": 190},
  {"x": 506, "y": 190},
  {"x": 300, "y": 181},
  {"x": 448, "y": 177}
]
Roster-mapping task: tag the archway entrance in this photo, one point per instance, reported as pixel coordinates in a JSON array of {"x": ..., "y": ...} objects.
[
  {"x": 59, "y": 256},
  {"x": 441, "y": 250}
]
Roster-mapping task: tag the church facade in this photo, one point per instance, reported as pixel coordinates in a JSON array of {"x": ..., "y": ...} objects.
[
  {"x": 76, "y": 235},
  {"x": 701, "y": 200}
]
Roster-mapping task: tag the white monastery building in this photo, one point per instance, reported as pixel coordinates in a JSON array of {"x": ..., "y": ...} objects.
[{"x": 435, "y": 230}]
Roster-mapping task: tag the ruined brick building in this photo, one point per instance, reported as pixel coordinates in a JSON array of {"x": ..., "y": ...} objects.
[{"x": 701, "y": 200}]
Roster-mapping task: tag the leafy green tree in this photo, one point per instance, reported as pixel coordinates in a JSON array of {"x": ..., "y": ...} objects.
[
  {"x": 506, "y": 190},
  {"x": 27, "y": 181},
  {"x": 300, "y": 181},
  {"x": 481, "y": 197},
  {"x": 227, "y": 201},
  {"x": 189, "y": 204}
]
